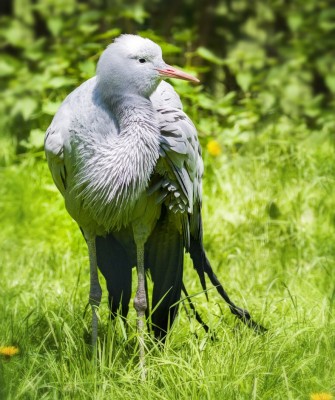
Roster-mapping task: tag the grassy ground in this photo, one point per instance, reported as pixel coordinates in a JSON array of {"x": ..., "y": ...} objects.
[{"x": 270, "y": 233}]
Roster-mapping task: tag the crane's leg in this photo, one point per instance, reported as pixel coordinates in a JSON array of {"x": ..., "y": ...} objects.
[
  {"x": 95, "y": 288},
  {"x": 140, "y": 303}
]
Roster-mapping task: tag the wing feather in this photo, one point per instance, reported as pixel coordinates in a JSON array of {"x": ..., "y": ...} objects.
[
  {"x": 180, "y": 160},
  {"x": 54, "y": 150}
]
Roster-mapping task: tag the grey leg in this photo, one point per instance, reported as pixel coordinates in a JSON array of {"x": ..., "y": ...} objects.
[
  {"x": 140, "y": 304},
  {"x": 95, "y": 288}
]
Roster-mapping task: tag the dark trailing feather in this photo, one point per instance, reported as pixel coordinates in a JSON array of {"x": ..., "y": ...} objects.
[
  {"x": 202, "y": 264},
  {"x": 240, "y": 313},
  {"x": 186, "y": 231},
  {"x": 164, "y": 254},
  {"x": 197, "y": 256},
  {"x": 196, "y": 252},
  {"x": 197, "y": 315}
]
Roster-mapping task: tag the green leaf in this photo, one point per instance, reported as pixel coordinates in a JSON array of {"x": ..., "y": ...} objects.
[
  {"x": 60, "y": 81},
  {"x": 136, "y": 13},
  {"x": 330, "y": 82},
  {"x": 50, "y": 108},
  {"x": 17, "y": 34},
  {"x": 295, "y": 20},
  {"x": 90, "y": 16},
  {"x": 36, "y": 138},
  {"x": 87, "y": 68},
  {"x": 88, "y": 29},
  {"x": 244, "y": 79},
  {"x": 6, "y": 68},
  {"x": 25, "y": 106},
  {"x": 111, "y": 33},
  {"x": 208, "y": 55},
  {"x": 55, "y": 25}
]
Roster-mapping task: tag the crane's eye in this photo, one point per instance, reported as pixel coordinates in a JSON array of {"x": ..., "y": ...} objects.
[{"x": 142, "y": 60}]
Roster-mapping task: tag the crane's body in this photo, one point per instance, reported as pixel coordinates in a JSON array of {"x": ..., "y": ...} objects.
[
  {"x": 127, "y": 160},
  {"x": 103, "y": 175},
  {"x": 106, "y": 176}
]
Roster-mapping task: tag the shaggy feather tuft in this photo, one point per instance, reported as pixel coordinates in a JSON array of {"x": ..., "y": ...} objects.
[{"x": 110, "y": 176}]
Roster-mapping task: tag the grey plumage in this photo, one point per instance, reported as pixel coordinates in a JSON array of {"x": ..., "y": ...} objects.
[
  {"x": 106, "y": 171},
  {"x": 127, "y": 160}
]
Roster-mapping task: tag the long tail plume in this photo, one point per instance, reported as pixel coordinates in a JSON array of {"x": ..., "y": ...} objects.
[{"x": 202, "y": 264}]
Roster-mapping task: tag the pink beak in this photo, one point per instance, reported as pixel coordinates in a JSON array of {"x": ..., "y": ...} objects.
[{"x": 171, "y": 72}]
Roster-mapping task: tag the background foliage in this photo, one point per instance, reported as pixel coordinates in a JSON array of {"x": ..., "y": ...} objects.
[
  {"x": 259, "y": 61},
  {"x": 267, "y": 101}
]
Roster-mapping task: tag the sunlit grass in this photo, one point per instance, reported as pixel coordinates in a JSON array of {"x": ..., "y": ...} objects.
[{"x": 269, "y": 212}]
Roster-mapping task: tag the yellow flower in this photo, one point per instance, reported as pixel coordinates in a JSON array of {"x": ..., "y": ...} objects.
[
  {"x": 9, "y": 351},
  {"x": 214, "y": 148},
  {"x": 321, "y": 396}
]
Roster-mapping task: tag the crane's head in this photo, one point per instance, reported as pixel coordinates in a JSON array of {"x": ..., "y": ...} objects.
[{"x": 132, "y": 64}]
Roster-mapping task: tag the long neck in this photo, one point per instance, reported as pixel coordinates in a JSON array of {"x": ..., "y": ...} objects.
[
  {"x": 117, "y": 170},
  {"x": 134, "y": 114},
  {"x": 138, "y": 137}
]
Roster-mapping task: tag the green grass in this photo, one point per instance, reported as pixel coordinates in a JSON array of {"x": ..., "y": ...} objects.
[{"x": 269, "y": 220}]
